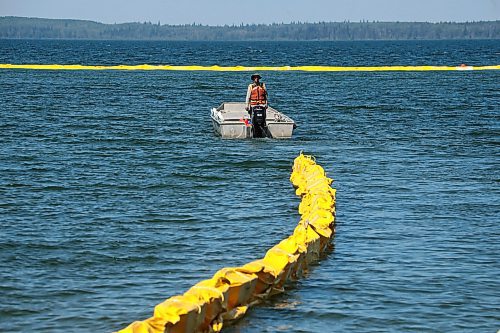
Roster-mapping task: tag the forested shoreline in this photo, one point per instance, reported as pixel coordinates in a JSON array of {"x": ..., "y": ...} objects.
[{"x": 39, "y": 28}]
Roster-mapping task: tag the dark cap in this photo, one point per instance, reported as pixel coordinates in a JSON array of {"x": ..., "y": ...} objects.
[{"x": 255, "y": 75}]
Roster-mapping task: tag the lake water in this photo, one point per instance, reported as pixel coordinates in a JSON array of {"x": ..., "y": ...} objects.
[{"x": 115, "y": 194}]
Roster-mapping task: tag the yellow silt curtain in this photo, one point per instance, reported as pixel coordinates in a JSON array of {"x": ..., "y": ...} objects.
[
  {"x": 146, "y": 67},
  {"x": 217, "y": 302}
]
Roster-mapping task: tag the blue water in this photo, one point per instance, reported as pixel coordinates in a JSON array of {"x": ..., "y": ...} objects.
[{"x": 115, "y": 194}]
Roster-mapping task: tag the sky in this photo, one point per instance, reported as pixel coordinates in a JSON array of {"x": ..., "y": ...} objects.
[{"x": 221, "y": 12}]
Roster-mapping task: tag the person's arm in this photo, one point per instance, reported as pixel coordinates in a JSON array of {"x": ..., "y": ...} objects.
[
  {"x": 247, "y": 99},
  {"x": 267, "y": 95}
]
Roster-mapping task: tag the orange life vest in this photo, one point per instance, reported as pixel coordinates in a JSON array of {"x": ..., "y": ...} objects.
[{"x": 258, "y": 95}]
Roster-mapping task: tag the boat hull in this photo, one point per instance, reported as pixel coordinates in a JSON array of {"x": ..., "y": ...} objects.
[{"x": 231, "y": 121}]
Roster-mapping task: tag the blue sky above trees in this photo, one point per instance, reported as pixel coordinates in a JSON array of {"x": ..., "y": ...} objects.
[{"x": 220, "y": 12}]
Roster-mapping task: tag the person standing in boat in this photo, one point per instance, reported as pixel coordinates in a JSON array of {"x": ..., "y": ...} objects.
[
  {"x": 256, "y": 93},
  {"x": 256, "y": 102}
]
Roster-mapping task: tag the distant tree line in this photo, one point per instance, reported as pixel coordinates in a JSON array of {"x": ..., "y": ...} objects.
[{"x": 37, "y": 28}]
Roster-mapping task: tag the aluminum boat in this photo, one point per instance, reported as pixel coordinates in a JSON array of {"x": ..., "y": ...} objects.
[{"x": 231, "y": 120}]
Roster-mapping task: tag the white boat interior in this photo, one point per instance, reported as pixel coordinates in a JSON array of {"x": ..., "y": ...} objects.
[{"x": 232, "y": 120}]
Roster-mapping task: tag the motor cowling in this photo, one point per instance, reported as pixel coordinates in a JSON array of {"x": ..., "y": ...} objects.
[{"x": 259, "y": 121}]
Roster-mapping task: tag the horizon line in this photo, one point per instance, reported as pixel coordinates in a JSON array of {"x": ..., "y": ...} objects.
[{"x": 244, "y": 24}]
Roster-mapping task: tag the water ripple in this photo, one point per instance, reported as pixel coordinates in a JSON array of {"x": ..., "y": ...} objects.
[{"x": 115, "y": 194}]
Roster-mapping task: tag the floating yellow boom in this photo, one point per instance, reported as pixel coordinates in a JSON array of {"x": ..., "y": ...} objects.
[
  {"x": 211, "y": 304},
  {"x": 146, "y": 67}
]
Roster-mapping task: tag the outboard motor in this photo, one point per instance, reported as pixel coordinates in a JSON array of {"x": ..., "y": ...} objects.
[{"x": 259, "y": 121}]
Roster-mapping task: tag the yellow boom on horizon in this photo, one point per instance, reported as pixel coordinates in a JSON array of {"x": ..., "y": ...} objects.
[{"x": 216, "y": 68}]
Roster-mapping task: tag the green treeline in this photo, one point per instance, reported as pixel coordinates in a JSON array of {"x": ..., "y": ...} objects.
[{"x": 37, "y": 28}]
